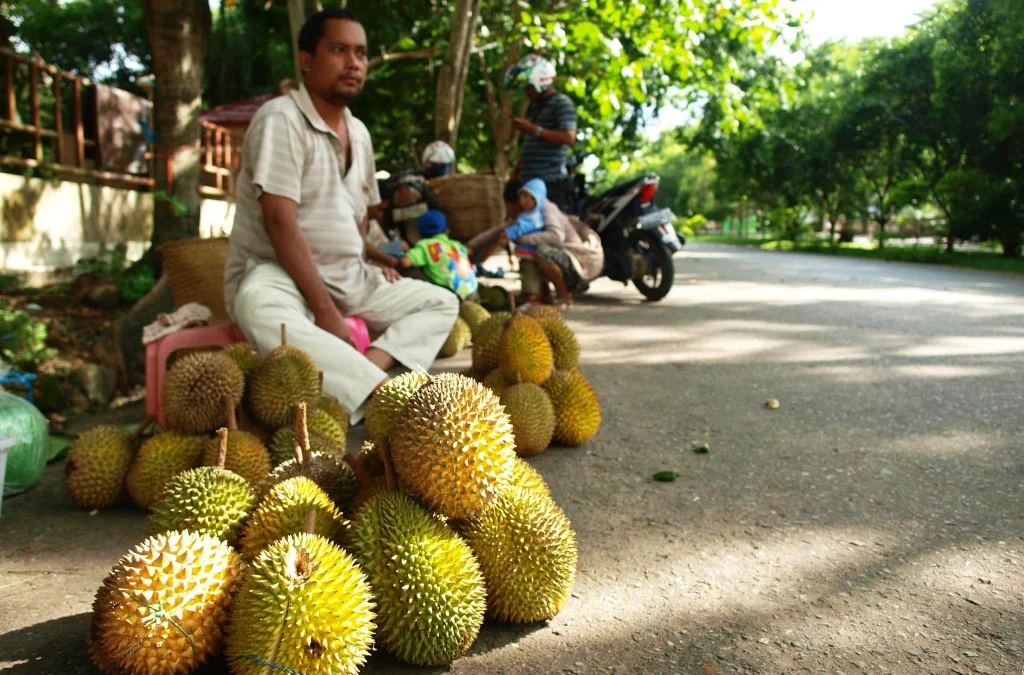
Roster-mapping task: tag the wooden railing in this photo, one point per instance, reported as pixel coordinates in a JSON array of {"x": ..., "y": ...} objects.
[{"x": 48, "y": 134}]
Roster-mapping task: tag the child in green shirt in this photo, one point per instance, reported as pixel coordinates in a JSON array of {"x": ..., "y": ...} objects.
[{"x": 445, "y": 261}]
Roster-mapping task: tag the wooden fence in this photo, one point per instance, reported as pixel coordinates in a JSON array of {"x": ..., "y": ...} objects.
[{"x": 51, "y": 121}]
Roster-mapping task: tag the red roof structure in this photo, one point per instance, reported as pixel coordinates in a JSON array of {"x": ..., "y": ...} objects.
[{"x": 237, "y": 114}]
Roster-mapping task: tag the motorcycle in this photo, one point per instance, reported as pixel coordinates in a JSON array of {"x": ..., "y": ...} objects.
[{"x": 638, "y": 238}]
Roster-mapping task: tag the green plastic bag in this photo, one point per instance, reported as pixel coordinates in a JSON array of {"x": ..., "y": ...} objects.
[{"x": 23, "y": 422}]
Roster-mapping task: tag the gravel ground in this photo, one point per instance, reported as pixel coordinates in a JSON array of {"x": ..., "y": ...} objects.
[{"x": 870, "y": 524}]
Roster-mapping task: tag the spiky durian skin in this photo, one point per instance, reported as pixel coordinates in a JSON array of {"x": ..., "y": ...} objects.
[
  {"x": 545, "y": 313},
  {"x": 325, "y": 436},
  {"x": 285, "y": 377},
  {"x": 96, "y": 467},
  {"x": 283, "y": 512},
  {"x": 524, "y": 353},
  {"x": 244, "y": 355},
  {"x": 532, "y": 415},
  {"x": 577, "y": 409},
  {"x": 333, "y": 407},
  {"x": 206, "y": 500},
  {"x": 474, "y": 314},
  {"x": 458, "y": 339},
  {"x": 527, "y": 551},
  {"x": 495, "y": 381},
  {"x": 160, "y": 458},
  {"x": 430, "y": 592},
  {"x": 181, "y": 578},
  {"x": 525, "y": 477},
  {"x": 246, "y": 456},
  {"x": 487, "y": 341},
  {"x": 453, "y": 446},
  {"x": 333, "y": 475},
  {"x": 388, "y": 403},
  {"x": 305, "y": 607},
  {"x": 195, "y": 389},
  {"x": 564, "y": 345}
]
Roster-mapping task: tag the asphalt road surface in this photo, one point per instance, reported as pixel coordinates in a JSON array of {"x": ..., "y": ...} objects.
[{"x": 872, "y": 523}]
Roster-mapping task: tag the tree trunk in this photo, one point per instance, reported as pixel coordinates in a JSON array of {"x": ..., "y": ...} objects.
[
  {"x": 178, "y": 32},
  {"x": 451, "y": 81}
]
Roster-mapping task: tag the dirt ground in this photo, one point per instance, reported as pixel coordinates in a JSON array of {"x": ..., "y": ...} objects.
[{"x": 873, "y": 523}]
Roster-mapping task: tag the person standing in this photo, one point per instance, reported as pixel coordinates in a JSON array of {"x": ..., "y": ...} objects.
[
  {"x": 297, "y": 253},
  {"x": 549, "y": 129}
]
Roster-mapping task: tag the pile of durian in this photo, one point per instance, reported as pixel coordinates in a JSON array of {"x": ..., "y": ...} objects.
[
  {"x": 531, "y": 361},
  {"x": 282, "y": 552}
]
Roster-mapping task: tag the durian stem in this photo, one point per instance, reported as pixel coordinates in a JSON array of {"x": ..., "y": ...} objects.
[
  {"x": 145, "y": 424},
  {"x": 302, "y": 430},
  {"x": 299, "y": 456},
  {"x": 222, "y": 453},
  {"x": 513, "y": 310},
  {"x": 284, "y": 335},
  {"x": 321, "y": 381},
  {"x": 229, "y": 409},
  {"x": 363, "y": 476},
  {"x": 390, "y": 482},
  {"x": 310, "y": 524}
]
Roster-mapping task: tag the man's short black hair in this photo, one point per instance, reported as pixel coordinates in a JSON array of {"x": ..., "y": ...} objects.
[
  {"x": 512, "y": 189},
  {"x": 313, "y": 29}
]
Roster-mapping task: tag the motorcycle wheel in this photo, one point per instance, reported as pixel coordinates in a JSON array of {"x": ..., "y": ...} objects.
[{"x": 653, "y": 271}]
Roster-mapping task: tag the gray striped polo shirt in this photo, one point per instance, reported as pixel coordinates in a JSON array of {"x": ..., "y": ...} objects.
[
  {"x": 538, "y": 158},
  {"x": 290, "y": 151}
]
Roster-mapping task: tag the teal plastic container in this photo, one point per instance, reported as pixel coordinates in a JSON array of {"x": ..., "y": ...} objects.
[{"x": 26, "y": 461}]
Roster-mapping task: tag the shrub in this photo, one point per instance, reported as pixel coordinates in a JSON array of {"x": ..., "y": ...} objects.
[{"x": 23, "y": 339}]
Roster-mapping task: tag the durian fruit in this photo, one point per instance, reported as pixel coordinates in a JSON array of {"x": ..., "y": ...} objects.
[
  {"x": 284, "y": 377},
  {"x": 247, "y": 456},
  {"x": 389, "y": 401},
  {"x": 577, "y": 409},
  {"x": 195, "y": 388},
  {"x": 486, "y": 343},
  {"x": 474, "y": 314},
  {"x": 525, "y": 477},
  {"x": 495, "y": 381},
  {"x": 208, "y": 500},
  {"x": 325, "y": 437},
  {"x": 160, "y": 458},
  {"x": 283, "y": 512},
  {"x": 458, "y": 339},
  {"x": 564, "y": 345},
  {"x": 428, "y": 585},
  {"x": 527, "y": 552},
  {"x": 96, "y": 467},
  {"x": 162, "y": 608},
  {"x": 372, "y": 476},
  {"x": 305, "y": 607},
  {"x": 532, "y": 415},
  {"x": 524, "y": 353},
  {"x": 453, "y": 446},
  {"x": 334, "y": 409},
  {"x": 333, "y": 475},
  {"x": 545, "y": 313},
  {"x": 244, "y": 355}
]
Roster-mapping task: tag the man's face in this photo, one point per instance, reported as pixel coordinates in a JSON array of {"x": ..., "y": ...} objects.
[
  {"x": 532, "y": 93},
  {"x": 337, "y": 70}
]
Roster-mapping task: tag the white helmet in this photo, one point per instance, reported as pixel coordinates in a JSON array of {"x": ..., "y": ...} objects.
[
  {"x": 438, "y": 152},
  {"x": 532, "y": 70}
]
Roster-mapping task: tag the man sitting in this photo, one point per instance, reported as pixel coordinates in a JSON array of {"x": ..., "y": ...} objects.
[{"x": 297, "y": 249}]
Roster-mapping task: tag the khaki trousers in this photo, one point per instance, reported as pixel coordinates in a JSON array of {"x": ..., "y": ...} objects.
[{"x": 414, "y": 318}]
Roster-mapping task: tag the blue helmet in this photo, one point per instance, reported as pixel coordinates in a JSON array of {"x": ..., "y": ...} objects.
[{"x": 432, "y": 223}]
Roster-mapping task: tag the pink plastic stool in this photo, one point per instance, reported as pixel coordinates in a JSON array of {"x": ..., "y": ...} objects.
[{"x": 220, "y": 335}]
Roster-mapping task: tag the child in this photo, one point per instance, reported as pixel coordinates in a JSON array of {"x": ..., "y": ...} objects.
[
  {"x": 530, "y": 219},
  {"x": 444, "y": 260}
]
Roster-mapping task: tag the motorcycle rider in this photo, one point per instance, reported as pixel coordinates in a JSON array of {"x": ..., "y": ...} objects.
[{"x": 549, "y": 129}]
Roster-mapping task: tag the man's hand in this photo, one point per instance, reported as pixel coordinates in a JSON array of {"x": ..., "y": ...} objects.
[
  {"x": 330, "y": 319},
  {"x": 391, "y": 274},
  {"x": 404, "y": 262},
  {"x": 524, "y": 125}
]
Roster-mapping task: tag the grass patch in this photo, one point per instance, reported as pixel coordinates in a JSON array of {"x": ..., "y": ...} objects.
[{"x": 982, "y": 260}]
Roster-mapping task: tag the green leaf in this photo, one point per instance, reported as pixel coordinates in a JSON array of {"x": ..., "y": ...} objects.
[
  {"x": 665, "y": 476},
  {"x": 702, "y": 449}
]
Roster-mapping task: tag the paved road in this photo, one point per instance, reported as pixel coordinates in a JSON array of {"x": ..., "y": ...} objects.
[{"x": 873, "y": 523}]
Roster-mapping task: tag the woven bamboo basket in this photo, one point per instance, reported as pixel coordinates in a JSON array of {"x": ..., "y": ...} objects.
[
  {"x": 195, "y": 273},
  {"x": 472, "y": 203}
]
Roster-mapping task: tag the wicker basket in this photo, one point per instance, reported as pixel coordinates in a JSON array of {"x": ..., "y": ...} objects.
[
  {"x": 472, "y": 203},
  {"x": 195, "y": 273}
]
